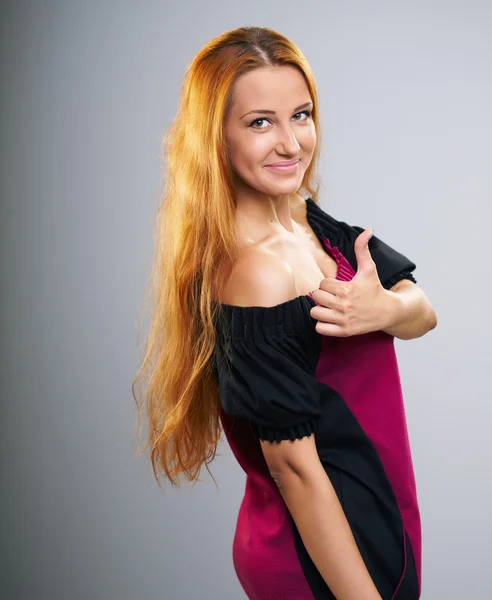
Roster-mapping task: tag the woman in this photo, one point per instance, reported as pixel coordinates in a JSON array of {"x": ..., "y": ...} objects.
[{"x": 304, "y": 383}]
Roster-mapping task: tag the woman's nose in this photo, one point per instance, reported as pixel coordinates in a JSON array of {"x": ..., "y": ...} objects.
[{"x": 288, "y": 141}]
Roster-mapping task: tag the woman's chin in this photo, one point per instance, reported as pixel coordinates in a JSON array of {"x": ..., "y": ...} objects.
[
  {"x": 282, "y": 190},
  {"x": 277, "y": 188}
]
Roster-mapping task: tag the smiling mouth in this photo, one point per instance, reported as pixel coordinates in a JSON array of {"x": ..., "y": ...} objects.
[
  {"x": 285, "y": 167},
  {"x": 284, "y": 163}
]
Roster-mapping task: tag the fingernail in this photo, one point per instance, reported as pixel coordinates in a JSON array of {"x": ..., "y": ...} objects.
[{"x": 371, "y": 235}]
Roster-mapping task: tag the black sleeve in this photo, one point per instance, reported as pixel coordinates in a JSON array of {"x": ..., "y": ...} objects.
[
  {"x": 268, "y": 377},
  {"x": 392, "y": 266}
]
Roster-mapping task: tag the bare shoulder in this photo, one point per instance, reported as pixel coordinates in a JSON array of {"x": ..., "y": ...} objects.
[{"x": 259, "y": 278}]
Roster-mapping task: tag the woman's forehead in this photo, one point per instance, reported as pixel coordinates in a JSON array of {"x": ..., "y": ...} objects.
[{"x": 269, "y": 87}]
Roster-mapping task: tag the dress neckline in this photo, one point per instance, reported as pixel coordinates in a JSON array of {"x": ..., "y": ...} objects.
[{"x": 313, "y": 214}]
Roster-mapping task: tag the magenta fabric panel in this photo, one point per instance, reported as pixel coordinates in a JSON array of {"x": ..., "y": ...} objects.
[{"x": 363, "y": 369}]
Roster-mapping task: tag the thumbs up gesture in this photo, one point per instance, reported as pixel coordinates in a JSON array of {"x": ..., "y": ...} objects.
[{"x": 347, "y": 308}]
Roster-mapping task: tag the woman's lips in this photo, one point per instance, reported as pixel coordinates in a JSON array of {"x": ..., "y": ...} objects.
[{"x": 284, "y": 167}]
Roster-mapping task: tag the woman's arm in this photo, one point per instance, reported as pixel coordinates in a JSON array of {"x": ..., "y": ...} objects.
[
  {"x": 410, "y": 314},
  {"x": 319, "y": 517}
]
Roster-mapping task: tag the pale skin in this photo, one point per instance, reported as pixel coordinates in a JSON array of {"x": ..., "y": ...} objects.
[{"x": 282, "y": 258}]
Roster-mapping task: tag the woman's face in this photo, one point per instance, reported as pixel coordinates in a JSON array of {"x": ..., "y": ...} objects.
[{"x": 269, "y": 122}]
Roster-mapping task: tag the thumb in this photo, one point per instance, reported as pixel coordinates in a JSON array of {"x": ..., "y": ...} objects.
[{"x": 362, "y": 252}]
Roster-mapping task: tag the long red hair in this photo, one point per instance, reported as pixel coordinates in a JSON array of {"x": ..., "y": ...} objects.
[{"x": 195, "y": 245}]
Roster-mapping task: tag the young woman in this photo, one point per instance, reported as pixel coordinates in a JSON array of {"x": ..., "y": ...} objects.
[{"x": 275, "y": 323}]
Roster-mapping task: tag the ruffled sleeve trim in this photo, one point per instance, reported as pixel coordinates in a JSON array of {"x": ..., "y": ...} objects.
[
  {"x": 294, "y": 432},
  {"x": 389, "y": 283}
]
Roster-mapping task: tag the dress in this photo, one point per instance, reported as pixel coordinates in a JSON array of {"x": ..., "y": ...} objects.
[{"x": 279, "y": 379}]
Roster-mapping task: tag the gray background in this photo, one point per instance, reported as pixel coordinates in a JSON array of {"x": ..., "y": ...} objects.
[{"x": 87, "y": 90}]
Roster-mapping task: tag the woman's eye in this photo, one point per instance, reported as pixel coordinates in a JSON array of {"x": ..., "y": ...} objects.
[
  {"x": 256, "y": 121},
  {"x": 303, "y": 112}
]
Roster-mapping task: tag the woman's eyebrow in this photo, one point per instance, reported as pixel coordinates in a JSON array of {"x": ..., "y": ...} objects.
[{"x": 272, "y": 112}]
